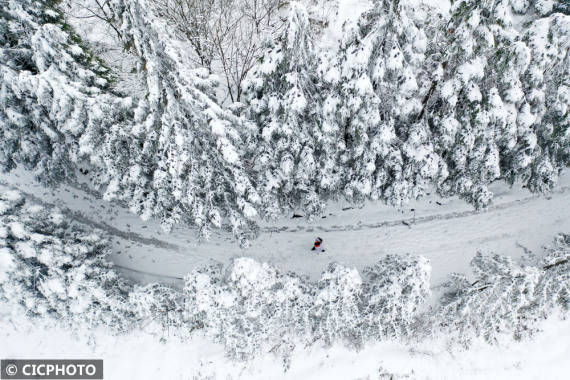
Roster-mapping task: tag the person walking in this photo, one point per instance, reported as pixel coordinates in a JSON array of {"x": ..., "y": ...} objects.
[{"x": 318, "y": 245}]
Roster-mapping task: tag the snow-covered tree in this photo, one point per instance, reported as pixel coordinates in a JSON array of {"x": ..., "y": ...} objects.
[
  {"x": 335, "y": 313},
  {"x": 395, "y": 291},
  {"x": 492, "y": 305},
  {"x": 546, "y": 84},
  {"x": 180, "y": 160},
  {"x": 487, "y": 110},
  {"x": 55, "y": 103},
  {"x": 553, "y": 291},
  {"x": 293, "y": 153},
  {"x": 55, "y": 270},
  {"x": 159, "y": 308},
  {"x": 387, "y": 154},
  {"x": 254, "y": 307},
  {"x": 224, "y": 36}
]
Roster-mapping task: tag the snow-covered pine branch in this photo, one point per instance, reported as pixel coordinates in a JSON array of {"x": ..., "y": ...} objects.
[{"x": 55, "y": 100}]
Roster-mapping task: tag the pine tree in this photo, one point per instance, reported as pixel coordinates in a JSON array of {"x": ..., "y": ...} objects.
[
  {"x": 546, "y": 85},
  {"x": 55, "y": 102},
  {"x": 507, "y": 299},
  {"x": 335, "y": 313},
  {"x": 486, "y": 108},
  {"x": 395, "y": 290},
  {"x": 388, "y": 155},
  {"x": 254, "y": 307},
  {"x": 55, "y": 270},
  {"x": 293, "y": 154},
  {"x": 181, "y": 159}
]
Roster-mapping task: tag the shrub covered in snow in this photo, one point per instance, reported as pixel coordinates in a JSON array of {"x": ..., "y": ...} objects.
[{"x": 506, "y": 299}]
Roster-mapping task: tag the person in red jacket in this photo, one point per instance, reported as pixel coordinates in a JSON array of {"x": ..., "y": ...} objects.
[{"x": 318, "y": 246}]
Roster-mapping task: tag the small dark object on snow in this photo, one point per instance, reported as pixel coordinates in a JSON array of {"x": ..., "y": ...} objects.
[
  {"x": 438, "y": 203},
  {"x": 296, "y": 216},
  {"x": 563, "y": 261},
  {"x": 347, "y": 208},
  {"x": 318, "y": 245},
  {"x": 406, "y": 223}
]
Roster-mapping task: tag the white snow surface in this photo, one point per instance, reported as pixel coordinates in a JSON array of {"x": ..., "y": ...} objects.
[{"x": 141, "y": 356}]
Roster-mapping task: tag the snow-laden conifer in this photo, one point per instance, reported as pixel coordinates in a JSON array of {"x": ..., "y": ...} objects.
[
  {"x": 180, "y": 159},
  {"x": 55, "y": 99},
  {"x": 293, "y": 153},
  {"x": 500, "y": 108}
]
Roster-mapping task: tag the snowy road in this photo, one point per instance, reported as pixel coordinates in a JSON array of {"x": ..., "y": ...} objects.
[{"x": 447, "y": 231}]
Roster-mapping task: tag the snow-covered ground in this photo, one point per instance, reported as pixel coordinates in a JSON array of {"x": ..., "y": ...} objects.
[
  {"x": 446, "y": 231},
  {"x": 141, "y": 356}
]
